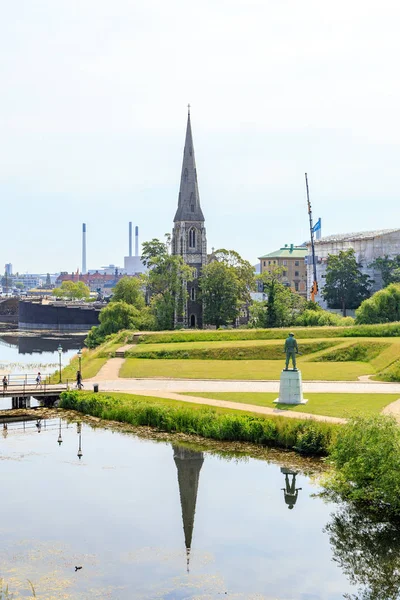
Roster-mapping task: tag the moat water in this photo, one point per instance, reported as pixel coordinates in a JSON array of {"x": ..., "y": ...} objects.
[{"x": 153, "y": 520}]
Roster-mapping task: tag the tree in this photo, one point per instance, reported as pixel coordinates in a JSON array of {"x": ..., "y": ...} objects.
[
  {"x": 72, "y": 291},
  {"x": 282, "y": 307},
  {"x": 19, "y": 285},
  {"x": 129, "y": 290},
  {"x": 220, "y": 293},
  {"x": 389, "y": 268},
  {"x": 225, "y": 285},
  {"x": 118, "y": 315},
  {"x": 346, "y": 286},
  {"x": 165, "y": 281},
  {"x": 382, "y": 307}
]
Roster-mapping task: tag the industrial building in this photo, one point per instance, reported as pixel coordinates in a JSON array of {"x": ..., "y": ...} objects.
[{"x": 367, "y": 246}]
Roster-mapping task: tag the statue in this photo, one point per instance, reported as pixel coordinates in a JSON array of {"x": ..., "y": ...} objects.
[{"x": 291, "y": 350}]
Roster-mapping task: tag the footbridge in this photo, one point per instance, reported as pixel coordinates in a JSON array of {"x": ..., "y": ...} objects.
[{"x": 22, "y": 387}]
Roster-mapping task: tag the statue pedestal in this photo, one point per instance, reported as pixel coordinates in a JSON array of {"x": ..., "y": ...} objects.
[{"x": 291, "y": 388}]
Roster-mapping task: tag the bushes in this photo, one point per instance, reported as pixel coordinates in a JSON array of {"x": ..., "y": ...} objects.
[
  {"x": 307, "y": 437},
  {"x": 264, "y": 352},
  {"x": 366, "y": 455},
  {"x": 392, "y": 373},
  {"x": 382, "y": 307},
  {"x": 322, "y": 318}
]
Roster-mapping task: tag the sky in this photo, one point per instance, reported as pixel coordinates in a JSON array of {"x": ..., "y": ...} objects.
[{"x": 93, "y": 109}]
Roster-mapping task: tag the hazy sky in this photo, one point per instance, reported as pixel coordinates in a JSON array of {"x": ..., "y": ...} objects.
[{"x": 93, "y": 98}]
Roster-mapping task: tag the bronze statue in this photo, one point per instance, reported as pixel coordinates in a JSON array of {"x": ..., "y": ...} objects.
[{"x": 291, "y": 350}]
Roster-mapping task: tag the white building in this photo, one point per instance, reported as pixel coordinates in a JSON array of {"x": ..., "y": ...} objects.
[{"x": 367, "y": 245}]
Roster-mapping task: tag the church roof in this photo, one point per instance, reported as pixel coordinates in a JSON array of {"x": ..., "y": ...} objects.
[{"x": 189, "y": 208}]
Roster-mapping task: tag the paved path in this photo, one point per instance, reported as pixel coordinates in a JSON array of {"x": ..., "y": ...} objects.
[{"x": 113, "y": 383}]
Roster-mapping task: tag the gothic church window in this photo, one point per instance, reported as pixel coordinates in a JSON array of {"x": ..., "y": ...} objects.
[
  {"x": 193, "y": 293},
  {"x": 192, "y": 208},
  {"x": 192, "y": 238}
]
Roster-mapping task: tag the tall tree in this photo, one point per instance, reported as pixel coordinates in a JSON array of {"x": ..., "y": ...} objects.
[
  {"x": 225, "y": 286},
  {"x": 219, "y": 291},
  {"x": 389, "y": 268},
  {"x": 165, "y": 282},
  {"x": 71, "y": 290},
  {"x": 129, "y": 290},
  {"x": 382, "y": 307},
  {"x": 345, "y": 284}
]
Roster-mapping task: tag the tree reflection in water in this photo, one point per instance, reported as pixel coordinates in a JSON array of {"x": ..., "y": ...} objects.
[{"x": 368, "y": 552}]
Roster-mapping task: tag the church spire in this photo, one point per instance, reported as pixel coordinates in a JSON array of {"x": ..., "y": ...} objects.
[
  {"x": 189, "y": 208},
  {"x": 188, "y": 463}
]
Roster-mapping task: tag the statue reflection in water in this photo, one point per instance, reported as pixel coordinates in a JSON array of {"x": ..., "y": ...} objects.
[
  {"x": 367, "y": 550},
  {"x": 290, "y": 491}
]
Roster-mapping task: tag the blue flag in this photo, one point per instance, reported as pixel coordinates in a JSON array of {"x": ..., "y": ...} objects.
[{"x": 317, "y": 226}]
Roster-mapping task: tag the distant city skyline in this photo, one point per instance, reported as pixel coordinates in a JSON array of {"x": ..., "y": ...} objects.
[{"x": 93, "y": 117}]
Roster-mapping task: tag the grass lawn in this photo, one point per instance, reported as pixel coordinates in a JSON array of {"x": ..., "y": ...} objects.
[
  {"x": 330, "y": 405},
  {"x": 240, "y": 369},
  {"x": 91, "y": 365},
  {"x": 228, "y": 344}
]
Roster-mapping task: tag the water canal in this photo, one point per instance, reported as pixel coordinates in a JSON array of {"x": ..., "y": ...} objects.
[{"x": 154, "y": 520}]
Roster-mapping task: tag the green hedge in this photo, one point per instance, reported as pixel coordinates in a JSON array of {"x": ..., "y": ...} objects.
[
  {"x": 379, "y": 330},
  {"x": 362, "y": 352},
  {"x": 304, "y": 436},
  {"x": 270, "y": 352}
]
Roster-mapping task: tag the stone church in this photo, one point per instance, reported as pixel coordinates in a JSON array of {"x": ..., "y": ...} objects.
[{"x": 189, "y": 234}]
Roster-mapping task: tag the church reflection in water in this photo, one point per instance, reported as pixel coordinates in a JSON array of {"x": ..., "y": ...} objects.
[
  {"x": 188, "y": 464},
  {"x": 290, "y": 491}
]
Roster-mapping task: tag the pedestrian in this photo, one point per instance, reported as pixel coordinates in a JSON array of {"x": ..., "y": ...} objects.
[
  {"x": 5, "y": 383},
  {"x": 79, "y": 383},
  {"x": 38, "y": 379}
]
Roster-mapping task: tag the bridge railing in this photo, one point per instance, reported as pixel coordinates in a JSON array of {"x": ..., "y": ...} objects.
[{"x": 25, "y": 387}]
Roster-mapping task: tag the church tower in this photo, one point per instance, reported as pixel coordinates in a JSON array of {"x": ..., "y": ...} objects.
[{"x": 189, "y": 234}]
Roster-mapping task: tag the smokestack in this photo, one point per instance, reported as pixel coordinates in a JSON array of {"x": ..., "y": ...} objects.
[
  {"x": 84, "y": 248},
  {"x": 136, "y": 241},
  {"x": 130, "y": 238}
]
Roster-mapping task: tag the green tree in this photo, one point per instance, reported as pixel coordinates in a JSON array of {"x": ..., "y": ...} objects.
[
  {"x": 225, "y": 285},
  {"x": 282, "y": 307},
  {"x": 19, "y": 285},
  {"x": 155, "y": 248},
  {"x": 71, "y": 290},
  {"x": 382, "y": 307},
  {"x": 129, "y": 290},
  {"x": 119, "y": 315},
  {"x": 220, "y": 293},
  {"x": 166, "y": 280},
  {"x": 389, "y": 268},
  {"x": 345, "y": 285}
]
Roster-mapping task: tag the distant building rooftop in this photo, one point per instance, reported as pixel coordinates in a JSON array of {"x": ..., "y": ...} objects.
[
  {"x": 287, "y": 252},
  {"x": 361, "y": 235}
]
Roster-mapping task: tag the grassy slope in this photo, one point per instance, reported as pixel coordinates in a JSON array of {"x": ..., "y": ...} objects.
[
  {"x": 331, "y": 405},
  {"x": 381, "y": 330},
  {"x": 240, "y": 369}
]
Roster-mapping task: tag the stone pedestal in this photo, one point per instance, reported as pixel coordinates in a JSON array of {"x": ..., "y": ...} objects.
[{"x": 291, "y": 388}]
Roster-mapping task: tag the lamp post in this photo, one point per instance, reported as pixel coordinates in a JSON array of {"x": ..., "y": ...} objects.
[
  {"x": 59, "y": 350},
  {"x": 80, "y": 453},
  {"x": 59, "y": 435},
  {"x": 80, "y": 360}
]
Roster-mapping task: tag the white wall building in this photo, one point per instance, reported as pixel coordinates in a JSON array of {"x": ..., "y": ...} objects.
[{"x": 367, "y": 245}]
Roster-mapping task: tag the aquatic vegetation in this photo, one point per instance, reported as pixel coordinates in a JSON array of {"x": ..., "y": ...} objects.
[{"x": 306, "y": 437}]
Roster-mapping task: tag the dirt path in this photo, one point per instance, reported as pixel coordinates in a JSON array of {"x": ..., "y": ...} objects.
[
  {"x": 393, "y": 410},
  {"x": 108, "y": 371}
]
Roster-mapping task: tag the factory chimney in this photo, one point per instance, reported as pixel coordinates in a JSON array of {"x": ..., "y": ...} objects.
[
  {"x": 130, "y": 238},
  {"x": 136, "y": 241},
  {"x": 84, "y": 248}
]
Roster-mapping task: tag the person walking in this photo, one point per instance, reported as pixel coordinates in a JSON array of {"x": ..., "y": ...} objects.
[
  {"x": 79, "y": 383},
  {"x": 38, "y": 379},
  {"x": 5, "y": 383}
]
